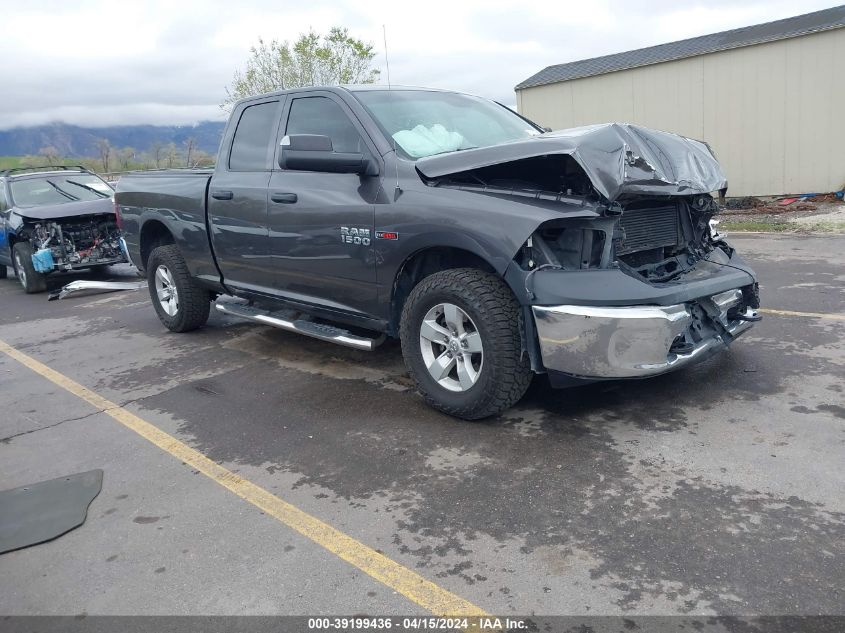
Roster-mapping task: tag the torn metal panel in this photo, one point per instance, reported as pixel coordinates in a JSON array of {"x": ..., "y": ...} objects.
[
  {"x": 618, "y": 158},
  {"x": 86, "y": 287},
  {"x": 40, "y": 512}
]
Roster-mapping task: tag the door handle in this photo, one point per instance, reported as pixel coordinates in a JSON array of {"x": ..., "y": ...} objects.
[
  {"x": 287, "y": 198},
  {"x": 219, "y": 194}
]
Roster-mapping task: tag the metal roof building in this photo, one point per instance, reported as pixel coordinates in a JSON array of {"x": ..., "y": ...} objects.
[{"x": 768, "y": 98}]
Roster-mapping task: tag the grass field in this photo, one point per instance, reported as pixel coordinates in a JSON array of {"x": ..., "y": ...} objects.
[
  {"x": 782, "y": 227},
  {"x": 10, "y": 162}
]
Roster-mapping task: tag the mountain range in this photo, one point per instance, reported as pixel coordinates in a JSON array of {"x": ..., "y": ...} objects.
[{"x": 74, "y": 141}]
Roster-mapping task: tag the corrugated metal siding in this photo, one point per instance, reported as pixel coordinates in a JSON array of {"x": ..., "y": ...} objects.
[
  {"x": 771, "y": 112},
  {"x": 795, "y": 26}
]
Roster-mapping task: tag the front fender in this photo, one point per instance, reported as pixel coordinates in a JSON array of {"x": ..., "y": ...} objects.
[{"x": 493, "y": 227}]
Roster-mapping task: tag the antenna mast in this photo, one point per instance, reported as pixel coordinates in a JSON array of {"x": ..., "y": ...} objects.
[
  {"x": 386, "y": 60},
  {"x": 397, "y": 190}
]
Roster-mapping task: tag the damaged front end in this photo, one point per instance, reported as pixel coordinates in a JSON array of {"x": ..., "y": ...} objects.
[
  {"x": 653, "y": 239},
  {"x": 656, "y": 289},
  {"x": 639, "y": 283},
  {"x": 69, "y": 243}
]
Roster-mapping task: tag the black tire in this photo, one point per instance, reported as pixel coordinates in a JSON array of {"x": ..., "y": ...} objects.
[
  {"x": 192, "y": 302},
  {"x": 492, "y": 309},
  {"x": 3, "y": 272},
  {"x": 31, "y": 280}
]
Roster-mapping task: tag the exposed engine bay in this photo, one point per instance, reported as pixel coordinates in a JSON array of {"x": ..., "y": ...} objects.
[
  {"x": 656, "y": 238},
  {"x": 74, "y": 242}
]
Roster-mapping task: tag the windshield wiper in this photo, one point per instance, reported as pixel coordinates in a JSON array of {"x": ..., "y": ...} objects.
[
  {"x": 84, "y": 186},
  {"x": 449, "y": 151},
  {"x": 67, "y": 195}
]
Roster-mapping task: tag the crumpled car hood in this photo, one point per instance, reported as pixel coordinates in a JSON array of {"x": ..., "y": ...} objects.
[
  {"x": 67, "y": 210},
  {"x": 618, "y": 158}
]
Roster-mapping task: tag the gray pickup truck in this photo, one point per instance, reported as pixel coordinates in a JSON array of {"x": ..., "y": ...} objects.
[{"x": 492, "y": 249}]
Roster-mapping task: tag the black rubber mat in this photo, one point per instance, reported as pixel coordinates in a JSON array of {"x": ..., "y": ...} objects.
[{"x": 40, "y": 512}]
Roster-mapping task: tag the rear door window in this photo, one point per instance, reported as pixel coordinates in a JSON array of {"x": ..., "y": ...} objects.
[{"x": 253, "y": 138}]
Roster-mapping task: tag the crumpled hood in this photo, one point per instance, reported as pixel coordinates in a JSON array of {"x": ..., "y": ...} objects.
[
  {"x": 619, "y": 158},
  {"x": 67, "y": 210}
]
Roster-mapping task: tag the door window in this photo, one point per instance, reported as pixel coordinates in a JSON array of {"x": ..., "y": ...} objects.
[
  {"x": 321, "y": 115},
  {"x": 253, "y": 137}
]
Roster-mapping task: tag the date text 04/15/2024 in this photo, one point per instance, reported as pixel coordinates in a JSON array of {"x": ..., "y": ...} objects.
[{"x": 431, "y": 623}]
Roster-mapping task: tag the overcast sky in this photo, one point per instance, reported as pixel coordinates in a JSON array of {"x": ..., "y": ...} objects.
[{"x": 168, "y": 62}]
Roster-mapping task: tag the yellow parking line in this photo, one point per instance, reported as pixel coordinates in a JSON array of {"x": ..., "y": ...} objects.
[
  {"x": 398, "y": 577},
  {"x": 814, "y": 315}
]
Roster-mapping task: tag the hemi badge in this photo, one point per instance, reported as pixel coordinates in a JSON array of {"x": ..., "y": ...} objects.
[{"x": 387, "y": 235}]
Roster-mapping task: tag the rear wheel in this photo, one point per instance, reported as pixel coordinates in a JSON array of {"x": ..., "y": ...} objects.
[
  {"x": 461, "y": 341},
  {"x": 180, "y": 302},
  {"x": 31, "y": 280}
]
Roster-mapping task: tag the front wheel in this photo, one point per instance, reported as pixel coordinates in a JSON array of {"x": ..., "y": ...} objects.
[
  {"x": 460, "y": 332},
  {"x": 31, "y": 280},
  {"x": 180, "y": 302}
]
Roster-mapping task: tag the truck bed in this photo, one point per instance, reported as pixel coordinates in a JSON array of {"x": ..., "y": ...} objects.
[{"x": 176, "y": 199}]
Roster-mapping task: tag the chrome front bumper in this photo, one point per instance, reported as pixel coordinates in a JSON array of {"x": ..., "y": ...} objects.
[{"x": 635, "y": 341}]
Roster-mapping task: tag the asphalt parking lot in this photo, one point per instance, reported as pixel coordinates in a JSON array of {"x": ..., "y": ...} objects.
[{"x": 718, "y": 489}]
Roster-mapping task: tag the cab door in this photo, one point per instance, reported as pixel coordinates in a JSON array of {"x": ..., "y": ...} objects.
[
  {"x": 322, "y": 224},
  {"x": 237, "y": 198}
]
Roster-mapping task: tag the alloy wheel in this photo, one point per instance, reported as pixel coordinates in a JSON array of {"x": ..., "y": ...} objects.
[
  {"x": 168, "y": 296},
  {"x": 451, "y": 347}
]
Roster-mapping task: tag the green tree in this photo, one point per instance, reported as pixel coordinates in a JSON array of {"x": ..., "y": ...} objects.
[{"x": 313, "y": 60}]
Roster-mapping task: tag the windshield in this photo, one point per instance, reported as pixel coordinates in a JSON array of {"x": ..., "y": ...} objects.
[
  {"x": 59, "y": 189},
  {"x": 424, "y": 123}
]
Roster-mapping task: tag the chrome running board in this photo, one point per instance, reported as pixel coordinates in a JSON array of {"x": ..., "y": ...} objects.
[{"x": 322, "y": 331}]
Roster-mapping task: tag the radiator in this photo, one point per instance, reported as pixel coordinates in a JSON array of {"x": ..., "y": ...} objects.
[{"x": 646, "y": 229}]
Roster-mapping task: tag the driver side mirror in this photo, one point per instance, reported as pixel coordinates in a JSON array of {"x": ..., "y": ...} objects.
[{"x": 314, "y": 152}]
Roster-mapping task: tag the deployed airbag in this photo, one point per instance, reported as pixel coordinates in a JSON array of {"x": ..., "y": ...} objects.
[{"x": 425, "y": 141}]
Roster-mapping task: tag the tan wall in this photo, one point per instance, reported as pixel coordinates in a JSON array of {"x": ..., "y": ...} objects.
[{"x": 773, "y": 113}]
